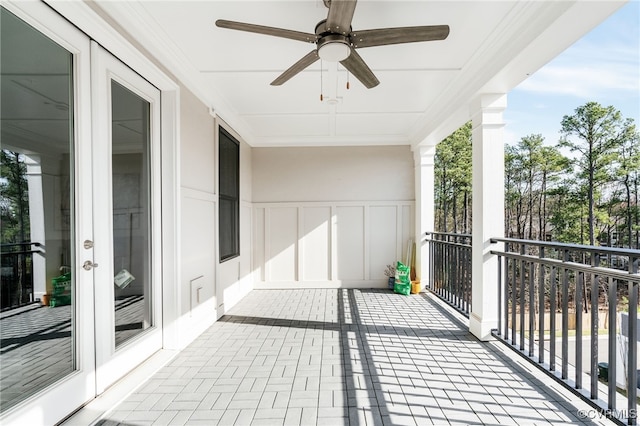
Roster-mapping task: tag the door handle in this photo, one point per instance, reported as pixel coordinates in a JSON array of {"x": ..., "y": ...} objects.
[{"x": 88, "y": 265}]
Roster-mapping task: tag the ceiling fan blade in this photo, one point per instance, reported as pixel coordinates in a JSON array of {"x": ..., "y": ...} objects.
[
  {"x": 261, "y": 29},
  {"x": 384, "y": 36},
  {"x": 303, "y": 63},
  {"x": 356, "y": 66},
  {"x": 340, "y": 16}
]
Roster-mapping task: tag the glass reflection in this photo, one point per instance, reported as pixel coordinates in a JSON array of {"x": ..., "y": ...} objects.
[
  {"x": 131, "y": 215},
  {"x": 37, "y": 288}
]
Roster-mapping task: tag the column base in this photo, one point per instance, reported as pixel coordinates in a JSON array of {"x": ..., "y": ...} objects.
[
  {"x": 481, "y": 329},
  {"x": 38, "y": 295}
]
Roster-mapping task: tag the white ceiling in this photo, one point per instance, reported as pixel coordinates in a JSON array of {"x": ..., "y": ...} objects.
[{"x": 425, "y": 88}]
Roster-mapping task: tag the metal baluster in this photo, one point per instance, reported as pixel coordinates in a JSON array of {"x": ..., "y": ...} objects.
[
  {"x": 613, "y": 302},
  {"x": 453, "y": 285},
  {"x": 632, "y": 380},
  {"x": 445, "y": 266},
  {"x": 514, "y": 303},
  {"x": 522, "y": 299},
  {"x": 463, "y": 278},
  {"x": 440, "y": 267},
  {"x": 532, "y": 309},
  {"x": 500, "y": 294},
  {"x": 552, "y": 319},
  {"x": 565, "y": 317},
  {"x": 469, "y": 278},
  {"x": 595, "y": 261},
  {"x": 506, "y": 296},
  {"x": 455, "y": 274},
  {"x": 467, "y": 284},
  {"x": 541, "y": 309},
  {"x": 431, "y": 263},
  {"x": 579, "y": 287}
]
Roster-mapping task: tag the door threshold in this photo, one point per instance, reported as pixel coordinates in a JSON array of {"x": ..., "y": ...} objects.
[{"x": 96, "y": 409}]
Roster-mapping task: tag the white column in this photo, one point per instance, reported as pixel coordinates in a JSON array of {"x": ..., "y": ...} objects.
[
  {"x": 36, "y": 223},
  {"x": 488, "y": 209},
  {"x": 424, "y": 190}
]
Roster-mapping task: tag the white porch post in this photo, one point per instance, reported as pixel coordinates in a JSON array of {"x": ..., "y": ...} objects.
[
  {"x": 36, "y": 223},
  {"x": 424, "y": 189},
  {"x": 488, "y": 209}
]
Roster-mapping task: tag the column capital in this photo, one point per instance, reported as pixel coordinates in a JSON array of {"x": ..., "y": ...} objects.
[
  {"x": 486, "y": 110},
  {"x": 496, "y": 101},
  {"x": 424, "y": 156}
]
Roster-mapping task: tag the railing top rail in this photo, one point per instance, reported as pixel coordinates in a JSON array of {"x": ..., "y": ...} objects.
[
  {"x": 26, "y": 243},
  {"x": 15, "y": 253},
  {"x": 565, "y": 246},
  {"x": 447, "y": 234},
  {"x": 580, "y": 267}
]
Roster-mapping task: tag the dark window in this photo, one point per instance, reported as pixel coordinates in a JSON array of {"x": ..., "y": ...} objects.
[{"x": 229, "y": 196}]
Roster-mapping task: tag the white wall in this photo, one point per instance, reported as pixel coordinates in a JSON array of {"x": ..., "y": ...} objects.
[
  {"x": 208, "y": 288},
  {"x": 198, "y": 248},
  {"x": 333, "y": 173},
  {"x": 330, "y": 217}
]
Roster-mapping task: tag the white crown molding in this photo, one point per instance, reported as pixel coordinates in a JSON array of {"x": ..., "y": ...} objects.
[{"x": 100, "y": 21}]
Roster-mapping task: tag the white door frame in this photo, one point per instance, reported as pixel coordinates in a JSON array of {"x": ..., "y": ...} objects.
[{"x": 112, "y": 363}]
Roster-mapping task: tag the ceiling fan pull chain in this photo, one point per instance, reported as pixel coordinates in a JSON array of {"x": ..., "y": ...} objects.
[
  {"x": 347, "y": 79},
  {"x": 321, "y": 97}
]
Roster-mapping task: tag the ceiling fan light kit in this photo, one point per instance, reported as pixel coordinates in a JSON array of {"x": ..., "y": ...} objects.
[
  {"x": 336, "y": 41},
  {"x": 334, "y": 48}
]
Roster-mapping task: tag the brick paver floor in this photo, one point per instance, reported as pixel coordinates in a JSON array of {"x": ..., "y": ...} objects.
[{"x": 345, "y": 357}]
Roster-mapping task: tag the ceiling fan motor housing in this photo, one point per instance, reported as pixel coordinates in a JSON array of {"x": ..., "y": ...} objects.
[{"x": 332, "y": 46}]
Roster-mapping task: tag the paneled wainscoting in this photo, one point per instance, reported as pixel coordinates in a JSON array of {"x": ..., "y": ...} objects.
[{"x": 329, "y": 245}]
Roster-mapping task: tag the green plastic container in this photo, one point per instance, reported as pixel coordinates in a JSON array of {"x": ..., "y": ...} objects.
[
  {"x": 61, "y": 294},
  {"x": 402, "y": 288}
]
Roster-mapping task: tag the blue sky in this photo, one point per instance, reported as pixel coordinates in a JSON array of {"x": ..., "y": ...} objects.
[{"x": 603, "y": 66}]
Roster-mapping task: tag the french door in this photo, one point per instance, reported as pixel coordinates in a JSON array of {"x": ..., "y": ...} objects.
[
  {"x": 126, "y": 214},
  {"x": 80, "y": 147}
]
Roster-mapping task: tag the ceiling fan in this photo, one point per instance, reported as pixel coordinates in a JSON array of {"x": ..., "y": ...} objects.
[{"x": 336, "y": 41}]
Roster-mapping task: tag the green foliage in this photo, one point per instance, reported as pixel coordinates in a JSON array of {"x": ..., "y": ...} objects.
[
  {"x": 589, "y": 196},
  {"x": 532, "y": 172},
  {"x": 453, "y": 181},
  {"x": 595, "y": 135},
  {"x": 14, "y": 197}
]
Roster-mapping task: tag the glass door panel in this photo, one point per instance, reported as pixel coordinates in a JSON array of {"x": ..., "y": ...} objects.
[
  {"x": 46, "y": 321},
  {"x": 131, "y": 215},
  {"x": 37, "y": 319}
]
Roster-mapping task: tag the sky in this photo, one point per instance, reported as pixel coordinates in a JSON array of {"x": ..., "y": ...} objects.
[{"x": 603, "y": 66}]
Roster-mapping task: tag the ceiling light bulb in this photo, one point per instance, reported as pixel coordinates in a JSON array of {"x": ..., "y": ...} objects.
[{"x": 334, "y": 51}]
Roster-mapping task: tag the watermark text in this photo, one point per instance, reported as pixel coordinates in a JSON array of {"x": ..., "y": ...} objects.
[{"x": 594, "y": 414}]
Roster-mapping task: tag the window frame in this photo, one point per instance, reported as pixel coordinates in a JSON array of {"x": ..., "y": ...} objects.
[{"x": 228, "y": 220}]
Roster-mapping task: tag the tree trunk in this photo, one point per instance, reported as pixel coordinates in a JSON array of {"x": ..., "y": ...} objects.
[
  {"x": 637, "y": 179},
  {"x": 542, "y": 213},
  {"x": 627, "y": 188},
  {"x": 454, "y": 202},
  {"x": 22, "y": 263},
  {"x": 590, "y": 196}
]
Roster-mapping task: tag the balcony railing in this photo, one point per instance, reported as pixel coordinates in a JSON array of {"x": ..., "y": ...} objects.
[
  {"x": 570, "y": 309},
  {"x": 17, "y": 274},
  {"x": 450, "y": 271},
  {"x": 574, "y": 308}
]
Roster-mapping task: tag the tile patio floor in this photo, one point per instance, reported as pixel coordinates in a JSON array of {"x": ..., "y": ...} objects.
[{"x": 344, "y": 357}]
